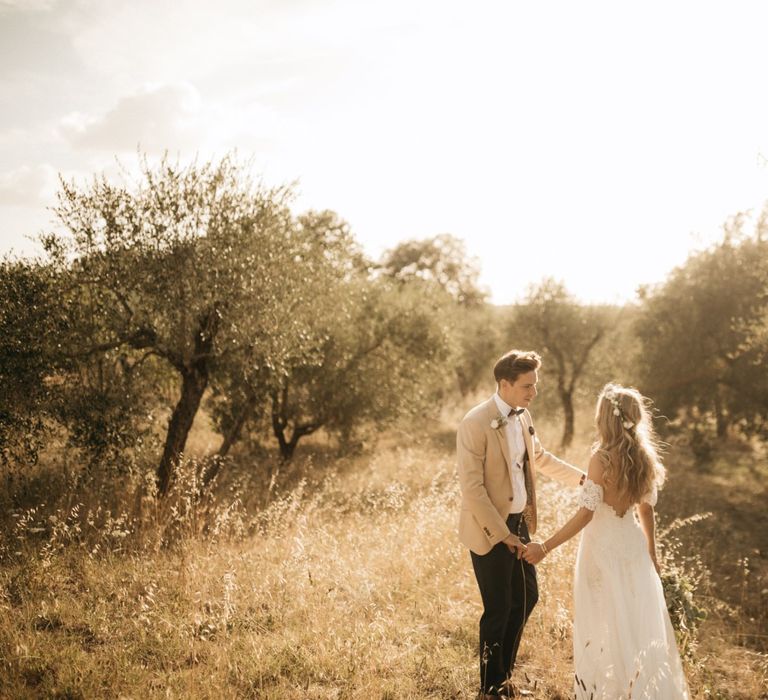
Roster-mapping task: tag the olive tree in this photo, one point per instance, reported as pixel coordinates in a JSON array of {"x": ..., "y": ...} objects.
[
  {"x": 384, "y": 354},
  {"x": 187, "y": 265},
  {"x": 443, "y": 261},
  {"x": 703, "y": 335},
  {"x": 247, "y": 385},
  {"x": 566, "y": 333}
]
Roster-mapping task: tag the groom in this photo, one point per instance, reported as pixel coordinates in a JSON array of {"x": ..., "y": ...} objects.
[{"x": 498, "y": 457}]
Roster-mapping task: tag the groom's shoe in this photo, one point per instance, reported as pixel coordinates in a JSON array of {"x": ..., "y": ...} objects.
[{"x": 509, "y": 690}]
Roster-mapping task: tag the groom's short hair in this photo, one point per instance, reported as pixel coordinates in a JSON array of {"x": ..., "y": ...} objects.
[{"x": 514, "y": 363}]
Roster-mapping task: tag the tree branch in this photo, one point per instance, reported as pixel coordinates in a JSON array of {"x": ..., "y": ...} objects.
[
  {"x": 579, "y": 367},
  {"x": 140, "y": 339}
]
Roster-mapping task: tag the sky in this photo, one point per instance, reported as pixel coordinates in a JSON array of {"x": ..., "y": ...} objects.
[{"x": 598, "y": 143}]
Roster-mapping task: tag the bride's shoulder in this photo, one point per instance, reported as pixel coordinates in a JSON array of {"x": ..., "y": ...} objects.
[
  {"x": 592, "y": 492},
  {"x": 598, "y": 462}
]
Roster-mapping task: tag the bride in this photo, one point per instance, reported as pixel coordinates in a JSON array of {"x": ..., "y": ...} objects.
[{"x": 623, "y": 642}]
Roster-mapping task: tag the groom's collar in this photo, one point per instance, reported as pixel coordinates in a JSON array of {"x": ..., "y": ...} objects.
[{"x": 502, "y": 405}]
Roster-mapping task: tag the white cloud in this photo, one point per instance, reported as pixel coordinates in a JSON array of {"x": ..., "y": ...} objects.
[
  {"x": 179, "y": 41},
  {"x": 157, "y": 117},
  {"x": 27, "y": 5},
  {"x": 28, "y": 186}
]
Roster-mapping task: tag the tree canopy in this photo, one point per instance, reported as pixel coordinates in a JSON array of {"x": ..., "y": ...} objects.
[
  {"x": 441, "y": 259},
  {"x": 703, "y": 334}
]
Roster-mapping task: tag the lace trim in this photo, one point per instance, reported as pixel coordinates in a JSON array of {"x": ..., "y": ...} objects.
[
  {"x": 591, "y": 495},
  {"x": 652, "y": 497}
]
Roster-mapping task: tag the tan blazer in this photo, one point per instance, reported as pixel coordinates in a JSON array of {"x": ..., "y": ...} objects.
[{"x": 484, "y": 476}]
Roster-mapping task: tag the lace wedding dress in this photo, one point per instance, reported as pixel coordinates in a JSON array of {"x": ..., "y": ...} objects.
[{"x": 623, "y": 643}]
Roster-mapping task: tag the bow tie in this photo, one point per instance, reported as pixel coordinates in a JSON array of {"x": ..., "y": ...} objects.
[{"x": 514, "y": 412}]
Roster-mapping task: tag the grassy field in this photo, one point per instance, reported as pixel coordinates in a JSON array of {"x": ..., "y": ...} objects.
[{"x": 348, "y": 583}]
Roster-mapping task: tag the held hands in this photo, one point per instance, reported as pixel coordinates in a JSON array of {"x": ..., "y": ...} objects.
[
  {"x": 535, "y": 553},
  {"x": 515, "y": 545}
]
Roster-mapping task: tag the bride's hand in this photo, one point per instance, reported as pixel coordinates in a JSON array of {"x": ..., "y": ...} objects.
[{"x": 534, "y": 553}]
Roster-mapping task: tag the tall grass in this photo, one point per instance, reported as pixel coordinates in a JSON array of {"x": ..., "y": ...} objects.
[{"x": 347, "y": 584}]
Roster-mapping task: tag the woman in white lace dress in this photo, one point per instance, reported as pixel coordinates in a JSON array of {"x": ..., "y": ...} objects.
[{"x": 623, "y": 642}]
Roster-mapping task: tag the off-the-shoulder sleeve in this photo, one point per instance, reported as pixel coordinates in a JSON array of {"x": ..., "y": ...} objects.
[
  {"x": 591, "y": 495},
  {"x": 651, "y": 497}
]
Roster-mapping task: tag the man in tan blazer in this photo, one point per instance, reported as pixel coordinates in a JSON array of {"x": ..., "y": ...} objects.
[{"x": 499, "y": 455}]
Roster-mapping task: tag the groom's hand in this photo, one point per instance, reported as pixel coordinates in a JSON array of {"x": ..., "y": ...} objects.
[
  {"x": 535, "y": 553},
  {"x": 515, "y": 545}
]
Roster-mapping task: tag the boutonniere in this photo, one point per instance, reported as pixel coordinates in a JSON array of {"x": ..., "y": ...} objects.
[
  {"x": 499, "y": 422},
  {"x": 531, "y": 430}
]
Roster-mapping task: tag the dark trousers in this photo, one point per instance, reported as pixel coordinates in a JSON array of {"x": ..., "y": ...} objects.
[{"x": 509, "y": 591}]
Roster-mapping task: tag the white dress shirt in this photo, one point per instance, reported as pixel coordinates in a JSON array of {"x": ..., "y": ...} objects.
[{"x": 513, "y": 431}]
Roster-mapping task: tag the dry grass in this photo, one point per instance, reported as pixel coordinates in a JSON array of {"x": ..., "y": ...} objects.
[{"x": 351, "y": 585}]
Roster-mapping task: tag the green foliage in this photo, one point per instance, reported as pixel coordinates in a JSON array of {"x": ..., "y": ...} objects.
[
  {"x": 702, "y": 443},
  {"x": 683, "y": 577},
  {"x": 29, "y": 322},
  {"x": 186, "y": 251},
  {"x": 383, "y": 354},
  {"x": 704, "y": 338},
  {"x": 478, "y": 331},
  {"x": 442, "y": 260},
  {"x": 189, "y": 265},
  {"x": 684, "y": 610},
  {"x": 248, "y": 387},
  {"x": 108, "y": 406}
]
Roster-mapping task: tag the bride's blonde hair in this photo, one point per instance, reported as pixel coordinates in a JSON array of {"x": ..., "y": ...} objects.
[{"x": 626, "y": 442}]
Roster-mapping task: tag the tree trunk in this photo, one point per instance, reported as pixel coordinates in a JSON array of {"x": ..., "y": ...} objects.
[
  {"x": 566, "y": 397},
  {"x": 288, "y": 446},
  {"x": 233, "y": 435},
  {"x": 237, "y": 427},
  {"x": 722, "y": 420},
  {"x": 280, "y": 423},
  {"x": 194, "y": 383}
]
